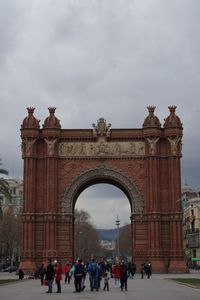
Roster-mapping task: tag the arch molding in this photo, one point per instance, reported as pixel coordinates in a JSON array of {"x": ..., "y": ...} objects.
[{"x": 102, "y": 174}]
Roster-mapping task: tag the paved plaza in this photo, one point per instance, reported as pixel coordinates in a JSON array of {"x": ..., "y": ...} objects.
[{"x": 159, "y": 287}]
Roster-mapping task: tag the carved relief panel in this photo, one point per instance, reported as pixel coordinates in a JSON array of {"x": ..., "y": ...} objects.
[{"x": 101, "y": 148}]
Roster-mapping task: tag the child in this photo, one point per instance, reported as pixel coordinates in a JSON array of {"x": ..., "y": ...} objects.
[{"x": 106, "y": 282}]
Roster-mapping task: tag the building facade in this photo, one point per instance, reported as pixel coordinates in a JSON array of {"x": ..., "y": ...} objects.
[
  {"x": 10, "y": 222},
  {"x": 191, "y": 225}
]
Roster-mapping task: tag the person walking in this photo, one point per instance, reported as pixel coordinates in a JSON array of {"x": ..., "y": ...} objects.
[
  {"x": 131, "y": 270},
  {"x": 123, "y": 276},
  {"x": 148, "y": 269},
  {"x": 67, "y": 273},
  {"x": 50, "y": 273},
  {"x": 58, "y": 276},
  {"x": 42, "y": 272},
  {"x": 93, "y": 271},
  {"x": 100, "y": 275},
  {"x": 116, "y": 274},
  {"x": 106, "y": 281},
  {"x": 142, "y": 271},
  {"x": 78, "y": 276},
  {"x": 21, "y": 274}
]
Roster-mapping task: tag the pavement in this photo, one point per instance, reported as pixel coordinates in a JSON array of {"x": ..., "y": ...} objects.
[{"x": 158, "y": 287}]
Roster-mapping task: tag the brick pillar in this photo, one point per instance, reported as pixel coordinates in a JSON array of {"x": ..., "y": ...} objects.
[
  {"x": 154, "y": 252},
  {"x": 65, "y": 238},
  {"x": 51, "y": 208},
  {"x": 28, "y": 217},
  {"x": 176, "y": 261}
]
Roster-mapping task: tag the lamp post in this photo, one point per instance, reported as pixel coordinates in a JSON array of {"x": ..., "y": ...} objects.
[
  {"x": 117, "y": 222},
  {"x": 79, "y": 241}
]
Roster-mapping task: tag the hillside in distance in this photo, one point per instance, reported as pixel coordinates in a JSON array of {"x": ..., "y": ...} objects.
[{"x": 107, "y": 234}]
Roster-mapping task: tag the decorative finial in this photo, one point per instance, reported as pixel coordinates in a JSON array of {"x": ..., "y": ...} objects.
[
  {"x": 52, "y": 121},
  {"x": 52, "y": 110},
  {"x": 30, "y": 121},
  {"x": 172, "y": 109},
  {"x": 151, "y": 109},
  {"x": 30, "y": 110},
  {"x": 172, "y": 120},
  {"x": 151, "y": 120}
]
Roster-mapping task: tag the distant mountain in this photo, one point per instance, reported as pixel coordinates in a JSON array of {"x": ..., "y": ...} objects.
[{"x": 107, "y": 234}]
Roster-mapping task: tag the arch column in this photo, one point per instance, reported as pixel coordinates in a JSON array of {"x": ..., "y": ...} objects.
[
  {"x": 176, "y": 231},
  {"x": 28, "y": 216},
  {"x": 153, "y": 217},
  {"x": 65, "y": 237}
]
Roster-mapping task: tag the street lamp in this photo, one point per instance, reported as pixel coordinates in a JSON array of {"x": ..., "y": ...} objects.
[
  {"x": 117, "y": 222},
  {"x": 79, "y": 241}
]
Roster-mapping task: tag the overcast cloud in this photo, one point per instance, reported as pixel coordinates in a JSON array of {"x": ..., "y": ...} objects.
[{"x": 100, "y": 58}]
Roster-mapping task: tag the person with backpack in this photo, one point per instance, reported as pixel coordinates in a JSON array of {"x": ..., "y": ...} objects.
[{"x": 93, "y": 271}]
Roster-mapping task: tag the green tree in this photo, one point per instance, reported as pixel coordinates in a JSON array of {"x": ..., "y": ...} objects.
[{"x": 4, "y": 187}]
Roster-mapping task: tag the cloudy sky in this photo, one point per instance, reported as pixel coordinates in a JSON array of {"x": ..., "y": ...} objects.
[{"x": 100, "y": 58}]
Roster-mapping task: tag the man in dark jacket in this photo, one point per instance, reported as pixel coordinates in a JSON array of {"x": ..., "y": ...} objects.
[
  {"x": 148, "y": 269},
  {"x": 50, "y": 275},
  {"x": 78, "y": 276},
  {"x": 123, "y": 276}
]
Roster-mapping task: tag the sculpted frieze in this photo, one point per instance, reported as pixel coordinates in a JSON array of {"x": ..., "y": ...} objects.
[{"x": 101, "y": 148}]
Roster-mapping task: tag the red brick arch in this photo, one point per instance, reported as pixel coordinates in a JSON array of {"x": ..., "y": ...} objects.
[{"x": 143, "y": 162}]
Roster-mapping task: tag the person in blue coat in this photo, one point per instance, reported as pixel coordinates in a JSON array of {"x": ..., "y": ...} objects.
[{"x": 93, "y": 271}]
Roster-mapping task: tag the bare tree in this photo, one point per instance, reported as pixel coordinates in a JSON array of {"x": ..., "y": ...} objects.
[
  {"x": 125, "y": 241},
  {"x": 87, "y": 242},
  {"x": 10, "y": 238}
]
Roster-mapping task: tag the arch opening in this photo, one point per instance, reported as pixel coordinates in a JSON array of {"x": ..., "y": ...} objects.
[
  {"x": 96, "y": 234},
  {"x": 104, "y": 198},
  {"x": 103, "y": 175}
]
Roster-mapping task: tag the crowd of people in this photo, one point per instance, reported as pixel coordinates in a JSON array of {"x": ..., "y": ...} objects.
[{"x": 98, "y": 272}]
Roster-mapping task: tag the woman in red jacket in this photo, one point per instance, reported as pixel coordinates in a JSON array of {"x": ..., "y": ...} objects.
[
  {"x": 67, "y": 273},
  {"x": 58, "y": 276},
  {"x": 116, "y": 272}
]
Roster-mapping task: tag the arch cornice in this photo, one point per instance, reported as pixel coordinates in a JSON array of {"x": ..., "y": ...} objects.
[{"x": 102, "y": 173}]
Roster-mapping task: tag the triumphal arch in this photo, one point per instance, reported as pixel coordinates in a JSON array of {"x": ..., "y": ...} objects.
[{"x": 143, "y": 162}]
